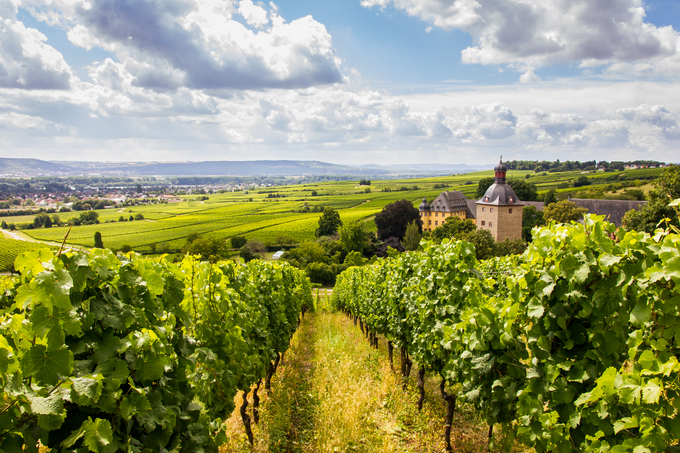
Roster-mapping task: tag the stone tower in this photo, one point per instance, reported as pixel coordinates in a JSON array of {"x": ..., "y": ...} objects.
[{"x": 499, "y": 210}]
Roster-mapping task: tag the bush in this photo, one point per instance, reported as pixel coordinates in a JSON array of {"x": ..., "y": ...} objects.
[{"x": 238, "y": 241}]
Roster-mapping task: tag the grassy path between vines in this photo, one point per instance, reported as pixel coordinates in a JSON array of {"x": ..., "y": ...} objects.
[{"x": 334, "y": 393}]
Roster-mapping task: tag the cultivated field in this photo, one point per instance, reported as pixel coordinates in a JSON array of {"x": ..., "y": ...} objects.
[{"x": 256, "y": 216}]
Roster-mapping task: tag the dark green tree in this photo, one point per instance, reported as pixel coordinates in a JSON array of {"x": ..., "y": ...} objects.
[
  {"x": 412, "y": 237},
  {"x": 395, "y": 217},
  {"x": 329, "y": 222},
  {"x": 98, "y": 243},
  {"x": 484, "y": 184},
  {"x": 531, "y": 217},
  {"x": 524, "y": 190},
  {"x": 238, "y": 241},
  {"x": 549, "y": 197},
  {"x": 353, "y": 237}
]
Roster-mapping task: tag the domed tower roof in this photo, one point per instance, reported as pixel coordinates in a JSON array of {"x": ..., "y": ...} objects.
[
  {"x": 500, "y": 193},
  {"x": 424, "y": 206},
  {"x": 500, "y": 171}
]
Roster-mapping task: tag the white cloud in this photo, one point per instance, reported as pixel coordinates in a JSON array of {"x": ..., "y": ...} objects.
[
  {"x": 255, "y": 15},
  {"x": 535, "y": 33},
  {"x": 198, "y": 44},
  {"x": 26, "y": 62}
]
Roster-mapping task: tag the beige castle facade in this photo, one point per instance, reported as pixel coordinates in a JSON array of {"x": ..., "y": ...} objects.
[{"x": 499, "y": 210}]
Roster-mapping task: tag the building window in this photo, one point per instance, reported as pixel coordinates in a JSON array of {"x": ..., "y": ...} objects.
[
  {"x": 436, "y": 222},
  {"x": 490, "y": 209},
  {"x": 483, "y": 209},
  {"x": 436, "y": 214},
  {"x": 483, "y": 223},
  {"x": 510, "y": 211},
  {"x": 429, "y": 222},
  {"x": 490, "y": 224},
  {"x": 511, "y": 200}
]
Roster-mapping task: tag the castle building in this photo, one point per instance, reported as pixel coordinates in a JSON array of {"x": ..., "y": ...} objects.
[
  {"x": 499, "y": 210},
  {"x": 447, "y": 204}
]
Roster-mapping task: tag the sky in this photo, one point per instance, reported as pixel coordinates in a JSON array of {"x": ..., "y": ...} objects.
[{"x": 343, "y": 81}]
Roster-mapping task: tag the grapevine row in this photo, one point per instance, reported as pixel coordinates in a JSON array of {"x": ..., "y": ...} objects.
[
  {"x": 572, "y": 346},
  {"x": 105, "y": 353}
]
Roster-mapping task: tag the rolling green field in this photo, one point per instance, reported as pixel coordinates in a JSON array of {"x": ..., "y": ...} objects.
[{"x": 255, "y": 216}]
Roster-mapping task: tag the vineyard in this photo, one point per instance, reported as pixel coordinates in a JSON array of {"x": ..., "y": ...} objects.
[
  {"x": 572, "y": 346},
  {"x": 253, "y": 215},
  {"x": 104, "y": 353}
]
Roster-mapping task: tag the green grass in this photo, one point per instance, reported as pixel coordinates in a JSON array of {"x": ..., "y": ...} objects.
[{"x": 225, "y": 215}]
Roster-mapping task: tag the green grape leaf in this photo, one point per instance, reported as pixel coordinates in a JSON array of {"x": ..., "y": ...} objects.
[
  {"x": 33, "y": 261},
  {"x": 47, "y": 366},
  {"x": 134, "y": 403},
  {"x": 53, "y": 288},
  {"x": 43, "y": 320},
  {"x": 606, "y": 261},
  {"x": 651, "y": 392},
  {"x": 50, "y": 422},
  {"x": 96, "y": 435},
  {"x": 151, "y": 367},
  {"x": 535, "y": 308},
  {"x": 51, "y": 405},
  {"x": 87, "y": 389},
  {"x": 154, "y": 282},
  {"x": 641, "y": 313},
  {"x": 625, "y": 423}
]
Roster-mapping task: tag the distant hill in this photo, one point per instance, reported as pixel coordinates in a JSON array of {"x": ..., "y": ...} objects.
[
  {"x": 29, "y": 166},
  {"x": 33, "y": 167}
]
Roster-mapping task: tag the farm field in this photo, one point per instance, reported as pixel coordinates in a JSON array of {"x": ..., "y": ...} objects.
[{"x": 267, "y": 214}]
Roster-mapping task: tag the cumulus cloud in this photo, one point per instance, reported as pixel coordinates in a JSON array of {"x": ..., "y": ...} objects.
[
  {"x": 26, "y": 61},
  {"x": 200, "y": 44},
  {"x": 533, "y": 33}
]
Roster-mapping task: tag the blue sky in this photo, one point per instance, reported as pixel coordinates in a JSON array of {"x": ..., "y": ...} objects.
[{"x": 343, "y": 81}]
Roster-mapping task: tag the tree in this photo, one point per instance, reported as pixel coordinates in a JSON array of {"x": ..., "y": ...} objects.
[
  {"x": 483, "y": 185},
  {"x": 582, "y": 181},
  {"x": 667, "y": 188},
  {"x": 98, "y": 243},
  {"x": 531, "y": 217},
  {"x": 395, "y": 217},
  {"x": 453, "y": 227},
  {"x": 549, "y": 197},
  {"x": 563, "y": 212},
  {"x": 209, "y": 249},
  {"x": 238, "y": 241},
  {"x": 392, "y": 244},
  {"x": 412, "y": 237},
  {"x": 524, "y": 190},
  {"x": 139, "y": 216},
  {"x": 355, "y": 259},
  {"x": 320, "y": 273},
  {"x": 329, "y": 222},
  {"x": 305, "y": 253},
  {"x": 353, "y": 237}
]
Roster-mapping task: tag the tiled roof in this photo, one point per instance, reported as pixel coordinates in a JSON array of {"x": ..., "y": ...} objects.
[{"x": 451, "y": 201}]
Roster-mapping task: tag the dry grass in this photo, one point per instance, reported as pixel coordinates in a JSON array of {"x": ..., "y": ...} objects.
[{"x": 335, "y": 393}]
